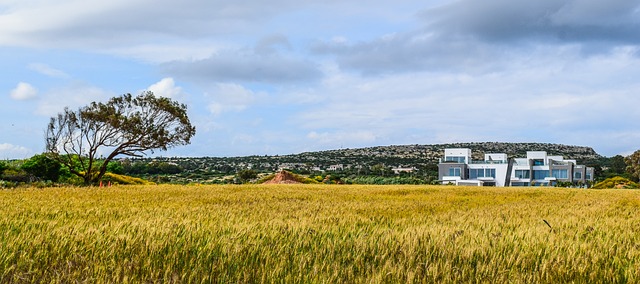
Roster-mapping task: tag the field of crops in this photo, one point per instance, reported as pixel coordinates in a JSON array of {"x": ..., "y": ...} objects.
[{"x": 319, "y": 233}]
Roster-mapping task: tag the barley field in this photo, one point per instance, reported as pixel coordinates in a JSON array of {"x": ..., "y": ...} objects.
[{"x": 319, "y": 234}]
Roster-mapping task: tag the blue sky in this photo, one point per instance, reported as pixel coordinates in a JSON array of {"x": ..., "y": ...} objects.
[{"x": 283, "y": 76}]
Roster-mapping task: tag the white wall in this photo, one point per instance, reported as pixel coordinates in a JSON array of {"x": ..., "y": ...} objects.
[
  {"x": 537, "y": 155},
  {"x": 458, "y": 152},
  {"x": 501, "y": 171},
  {"x": 495, "y": 157}
]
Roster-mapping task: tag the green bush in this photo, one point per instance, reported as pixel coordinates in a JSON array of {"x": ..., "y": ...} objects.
[
  {"x": 3, "y": 166},
  {"x": 15, "y": 175},
  {"x": 42, "y": 168}
]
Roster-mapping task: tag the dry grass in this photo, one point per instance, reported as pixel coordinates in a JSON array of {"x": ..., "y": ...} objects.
[{"x": 319, "y": 233}]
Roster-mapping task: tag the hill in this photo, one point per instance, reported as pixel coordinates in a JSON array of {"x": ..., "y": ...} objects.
[
  {"x": 412, "y": 154},
  {"x": 421, "y": 160}
]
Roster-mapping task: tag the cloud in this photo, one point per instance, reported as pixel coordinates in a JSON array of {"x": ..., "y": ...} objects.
[
  {"x": 479, "y": 37},
  {"x": 262, "y": 64},
  {"x": 113, "y": 23},
  {"x": 48, "y": 70},
  {"x": 10, "y": 151},
  {"x": 23, "y": 91},
  {"x": 549, "y": 95},
  {"x": 163, "y": 52},
  {"x": 166, "y": 88},
  {"x": 231, "y": 97},
  {"x": 73, "y": 96},
  {"x": 411, "y": 52},
  {"x": 572, "y": 21}
]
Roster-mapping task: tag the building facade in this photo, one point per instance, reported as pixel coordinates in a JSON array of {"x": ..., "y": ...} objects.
[{"x": 537, "y": 169}]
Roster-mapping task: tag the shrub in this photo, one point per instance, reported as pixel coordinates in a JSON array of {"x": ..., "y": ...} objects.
[
  {"x": 616, "y": 182},
  {"x": 43, "y": 167},
  {"x": 15, "y": 175},
  {"x": 122, "y": 179},
  {"x": 3, "y": 166}
]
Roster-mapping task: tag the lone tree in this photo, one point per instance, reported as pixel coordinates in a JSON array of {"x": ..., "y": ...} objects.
[{"x": 124, "y": 125}]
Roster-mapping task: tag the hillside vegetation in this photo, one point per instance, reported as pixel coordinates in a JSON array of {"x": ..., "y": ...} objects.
[
  {"x": 357, "y": 164},
  {"x": 319, "y": 234}
]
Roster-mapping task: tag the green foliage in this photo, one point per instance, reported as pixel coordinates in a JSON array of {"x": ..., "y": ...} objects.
[
  {"x": 632, "y": 163},
  {"x": 246, "y": 175},
  {"x": 124, "y": 125},
  {"x": 616, "y": 182},
  {"x": 43, "y": 167},
  {"x": 15, "y": 175},
  {"x": 3, "y": 166},
  {"x": 115, "y": 167},
  {"x": 149, "y": 168}
]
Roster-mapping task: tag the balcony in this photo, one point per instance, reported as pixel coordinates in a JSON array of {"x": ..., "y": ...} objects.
[{"x": 489, "y": 162}]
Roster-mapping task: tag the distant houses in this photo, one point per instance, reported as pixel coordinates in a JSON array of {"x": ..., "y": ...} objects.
[{"x": 536, "y": 169}]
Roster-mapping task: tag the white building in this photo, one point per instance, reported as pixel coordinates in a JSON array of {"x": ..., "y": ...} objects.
[
  {"x": 537, "y": 168},
  {"x": 398, "y": 170}
]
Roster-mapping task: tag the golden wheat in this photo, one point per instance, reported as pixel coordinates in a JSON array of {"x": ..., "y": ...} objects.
[{"x": 319, "y": 233}]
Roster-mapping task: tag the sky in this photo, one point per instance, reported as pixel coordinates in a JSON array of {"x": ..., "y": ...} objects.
[{"x": 283, "y": 77}]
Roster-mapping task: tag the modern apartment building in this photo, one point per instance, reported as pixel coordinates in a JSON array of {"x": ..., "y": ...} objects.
[{"x": 537, "y": 169}]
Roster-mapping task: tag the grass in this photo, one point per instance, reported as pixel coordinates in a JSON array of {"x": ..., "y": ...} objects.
[{"x": 319, "y": 233}]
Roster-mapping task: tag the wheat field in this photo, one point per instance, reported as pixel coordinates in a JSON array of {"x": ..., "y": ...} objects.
[{"x": 319, "y": 234}]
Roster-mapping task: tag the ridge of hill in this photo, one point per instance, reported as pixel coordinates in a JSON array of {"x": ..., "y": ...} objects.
[
  {"x": 418, "y": 156},
  {"x": 431, "y": 153}
]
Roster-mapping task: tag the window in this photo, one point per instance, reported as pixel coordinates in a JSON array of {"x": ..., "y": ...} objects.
[
  {"x": 560, "y": 174},
  {"x": 540, "y": 174},
  {"x": 523, "y": 173},
  {"x": 588, "y": 176},
  {"x": 538, "y": 162},
  {"x": 577, "y": 175},
  {"x": 479, "y": 173},
  {"x": 454, "y": 172},
  {"x": 460, "y": 160}
]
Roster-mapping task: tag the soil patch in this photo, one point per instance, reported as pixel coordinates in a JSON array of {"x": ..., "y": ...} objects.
[{"x": 283, "y": 177}]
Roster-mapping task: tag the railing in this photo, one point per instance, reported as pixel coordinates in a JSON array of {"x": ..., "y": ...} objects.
[{"x": 489, "y": 162}]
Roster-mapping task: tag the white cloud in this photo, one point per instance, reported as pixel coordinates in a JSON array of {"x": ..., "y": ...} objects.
[
  {"x": 100, "y": 24},
  {"x": 231, "y": 97},
  {"x": 548, "y": 95},
  {"x": 165, "y": 52},
  {"x": 72, "y": 96},
  {"x": 23, "y": 91},
  {"x": 10, "y": 151},
  {"x": 264, "y": 63},
  {"x": 167, "y": 88},
  {"x": 48, "y": 70}
]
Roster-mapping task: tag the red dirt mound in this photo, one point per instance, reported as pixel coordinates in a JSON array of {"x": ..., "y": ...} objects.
[{"x": 282, "y": 177}]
